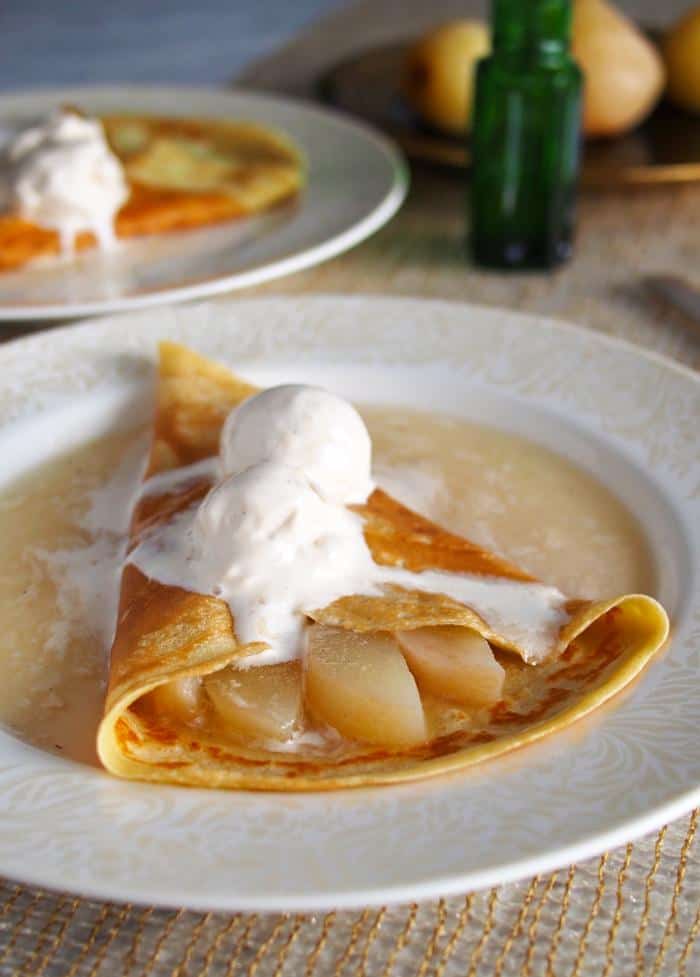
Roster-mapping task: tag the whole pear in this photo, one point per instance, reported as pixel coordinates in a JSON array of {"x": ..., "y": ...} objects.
[
  {"x": 624, "y": 73},
  {"x": 438, "y": 73},
  {"x": 682, "y": 54}
]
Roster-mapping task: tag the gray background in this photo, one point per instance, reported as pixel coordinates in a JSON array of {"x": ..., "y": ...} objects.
[{"x": 63, "y": 42}]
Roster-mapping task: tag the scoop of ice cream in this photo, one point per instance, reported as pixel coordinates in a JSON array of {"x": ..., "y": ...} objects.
[
  {"x": 268, "y": 505},
  {"x": 266, "y": 542},
  {"x": 62, "y": 174},
  {"x": 304, "y": 428}
]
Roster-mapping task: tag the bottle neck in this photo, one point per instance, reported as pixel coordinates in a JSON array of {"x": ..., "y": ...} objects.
[{"x": 539, "y": 30}]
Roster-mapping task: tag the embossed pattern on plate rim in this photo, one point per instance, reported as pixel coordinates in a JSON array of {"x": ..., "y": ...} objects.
[{"x": 70, "y": 827}]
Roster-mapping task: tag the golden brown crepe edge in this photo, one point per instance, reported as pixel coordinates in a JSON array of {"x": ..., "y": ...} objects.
[{"x": 653, "y": 628}]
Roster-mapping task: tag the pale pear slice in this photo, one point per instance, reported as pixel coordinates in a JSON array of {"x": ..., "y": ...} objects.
[
  {"x": 360, "y": 684},
  {"x": 261, "y": 701},
  {"x": 179, "y": 699},
  {"x": 453, "y": 663}
]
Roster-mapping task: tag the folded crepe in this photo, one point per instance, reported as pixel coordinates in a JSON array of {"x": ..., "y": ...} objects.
[
  {"x": 182, "y": 173},
  {"x": 165, "y": 634}
]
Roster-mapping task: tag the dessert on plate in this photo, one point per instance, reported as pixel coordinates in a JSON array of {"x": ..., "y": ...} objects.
[
  {"x": 73, "y": 182},
  {"x": 285, "y": 624}
]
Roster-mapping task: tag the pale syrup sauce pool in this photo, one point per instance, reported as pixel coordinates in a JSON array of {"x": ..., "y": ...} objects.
[{"x": 63, "y": 526}]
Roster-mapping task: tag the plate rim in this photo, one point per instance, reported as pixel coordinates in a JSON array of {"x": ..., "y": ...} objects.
[
  {"x": 586, "y": 847},
  {"x": 299, "y": 261},
  {"x": 440, "y": 887},
  {"x": 552, "y": 321}
]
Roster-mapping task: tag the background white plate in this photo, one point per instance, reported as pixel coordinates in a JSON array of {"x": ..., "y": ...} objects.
[
  {"x": 356, "y": 182},
  {"x": 630, "y": 418}
]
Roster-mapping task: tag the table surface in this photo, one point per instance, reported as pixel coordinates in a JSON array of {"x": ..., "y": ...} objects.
[{"x": 636, "y": 910}]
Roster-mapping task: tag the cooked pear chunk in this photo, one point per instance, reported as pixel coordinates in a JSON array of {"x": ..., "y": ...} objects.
[
  {"x": 179, "y": 699},
  {"x": 261, "y": 701},
  {"x": 453, "y": 663},
  {"x": 360, "y": 685}
]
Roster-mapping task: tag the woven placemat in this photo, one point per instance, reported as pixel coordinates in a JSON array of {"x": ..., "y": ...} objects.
[{"x": 633, "y": 911}]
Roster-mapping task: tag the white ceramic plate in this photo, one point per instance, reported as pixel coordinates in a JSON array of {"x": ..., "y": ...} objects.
[
  {"x": 631, "y": 419},
  {"x": 356, "y": 182}
]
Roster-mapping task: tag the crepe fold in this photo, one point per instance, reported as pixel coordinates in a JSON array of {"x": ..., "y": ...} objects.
[
  {"x": 164, "y": 633},
  {"x": 182, "y": 173}
]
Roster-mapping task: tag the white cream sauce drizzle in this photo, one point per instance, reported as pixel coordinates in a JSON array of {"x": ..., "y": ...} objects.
[
  {"x": 176, "y": 479},
  {"x": 269, "y": 545}
]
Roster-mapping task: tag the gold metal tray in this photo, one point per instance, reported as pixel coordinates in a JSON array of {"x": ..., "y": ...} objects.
[{"x": 664, "y": 149}]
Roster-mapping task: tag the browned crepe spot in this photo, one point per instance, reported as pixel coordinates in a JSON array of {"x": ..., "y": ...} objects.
[{"x": 399, "y": 537}]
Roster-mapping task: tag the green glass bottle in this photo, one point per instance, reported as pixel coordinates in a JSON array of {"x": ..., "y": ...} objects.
[{"x": 525, "y": 138}]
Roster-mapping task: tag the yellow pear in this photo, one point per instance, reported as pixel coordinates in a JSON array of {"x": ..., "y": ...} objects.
[
  {"x": 438, "y": 73},
  {"x": 624, "y": 73},
  {"x": 178, "y": 699},
  {"x": 263, "y": 701},
  {"x": 360, "y": 684},
  {"x": 681, "y": 51},
  {"x": 456, "y": 664}
]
